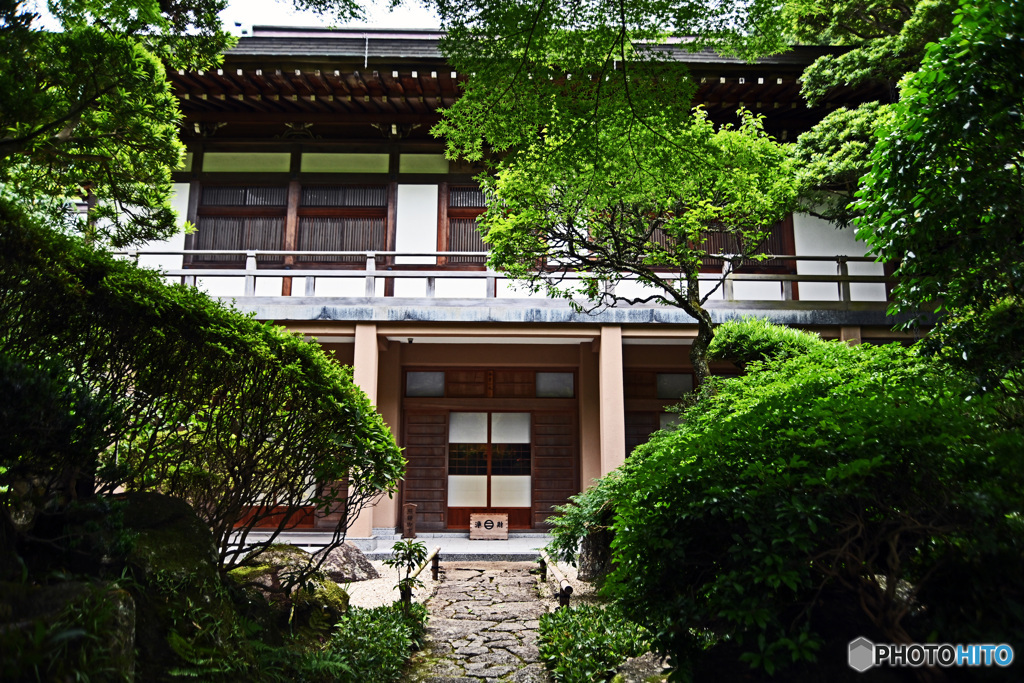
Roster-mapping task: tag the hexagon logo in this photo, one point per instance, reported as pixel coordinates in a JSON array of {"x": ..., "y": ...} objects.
[{"x": 862, "y": 654}]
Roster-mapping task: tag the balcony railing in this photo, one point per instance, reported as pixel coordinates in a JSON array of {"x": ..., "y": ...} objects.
[{"x": 731, "y": 283}]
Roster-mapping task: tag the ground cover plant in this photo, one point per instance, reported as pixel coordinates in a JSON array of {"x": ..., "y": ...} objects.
[
  {"x": 837, "y": 493},
  {"x": 588, "y": 642}
]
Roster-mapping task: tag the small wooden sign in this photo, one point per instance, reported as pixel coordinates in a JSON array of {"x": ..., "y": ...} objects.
[
  {"x": 488, "y": 526},
  {"x": 409, "y": 520}
]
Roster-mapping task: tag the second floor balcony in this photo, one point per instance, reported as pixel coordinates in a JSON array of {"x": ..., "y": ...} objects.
[{"x": 277, "y": 284}]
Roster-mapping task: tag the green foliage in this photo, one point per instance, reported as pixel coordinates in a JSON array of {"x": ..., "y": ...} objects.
[
  {"x": 560, "y": 67},
  {"x": 600, "y": 167},
  {"x": 406, "y": 556},
  {"x": 598, "y": 202},
  {"x": 74, "y": 644},
  {"x": 370, "y": 645},
  {"x": 208, "y": 639},
  {"x": 944, "y": 197},
  {"x": 588, "y": 643},
  {"x": 234, "y": 416},
  {"x": 816, "y": 486},
  {"x": 87, "y": 111},
  {"x": 586, "y": 513},
  {"x": 51, "y": 430},
  {"x": 832, "y": 157},
  {"x": 884, "y": 41},
  {"x": 755, "y": 339}
]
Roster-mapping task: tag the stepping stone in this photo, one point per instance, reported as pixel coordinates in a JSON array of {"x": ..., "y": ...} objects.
[{"x": 483, "y": 626}]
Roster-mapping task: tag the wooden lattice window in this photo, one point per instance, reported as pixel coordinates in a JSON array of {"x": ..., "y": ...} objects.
[
  {"x": 240, "y": 217},
  {"x": 779, "y": 242},
  {"x": 342, "y": 218},
  {"x": 465, "y": 204}
]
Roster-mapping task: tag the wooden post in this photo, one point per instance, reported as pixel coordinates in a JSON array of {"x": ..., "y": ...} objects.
[
  {"x": 432, "y": 560},
  {"x": 844, "y": 282},
  {"x": 250, "y": 273},
  {"x": 564, "y": 587},
  {"x": 409, "y": 520},
  {"x": 787, "y": 290},
  {"x": 435, "y": 566},
  {"x": 371, "y": 268}
]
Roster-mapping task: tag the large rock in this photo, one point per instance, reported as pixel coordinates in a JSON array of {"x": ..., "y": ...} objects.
[
  {"x": 346, "y": 564},
  {"x": 272, "y": 572},
  {"x": 170, "y": 538}
]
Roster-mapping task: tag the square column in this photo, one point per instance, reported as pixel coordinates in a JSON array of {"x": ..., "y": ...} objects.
[
  {"x": 613, "y": 405},
  {"x": 365, "y": 360},
  {"x": 364, "y": 373},
  {"x": 590, "y": 415}
]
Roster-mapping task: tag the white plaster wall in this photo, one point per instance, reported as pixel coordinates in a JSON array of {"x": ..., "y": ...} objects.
[
  {"x": 268, "y": 286},
  {"x": 235, "y": 286},
  {"x": 510, "y": 289},
  {"x": 411, "y": 286},
  {"x": 337, "y": 286},
  {"x": 416, "y": 223},
  {"x": 634, "y": 289},
  {"x": 221, "y": 286},
  {"x": 756, "y": 291},
  {"x": 815, "y": 237},
  {"x": 460, "y": 288}
]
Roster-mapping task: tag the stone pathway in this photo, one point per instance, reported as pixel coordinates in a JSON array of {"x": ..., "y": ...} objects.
[{"x": 483, "y": 626}]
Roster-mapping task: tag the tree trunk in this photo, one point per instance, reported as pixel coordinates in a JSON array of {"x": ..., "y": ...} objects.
[{"x": 705, "y": 329}]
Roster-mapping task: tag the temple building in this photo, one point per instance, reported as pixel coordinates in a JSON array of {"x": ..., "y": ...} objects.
[{"x": 322, "y": 203}]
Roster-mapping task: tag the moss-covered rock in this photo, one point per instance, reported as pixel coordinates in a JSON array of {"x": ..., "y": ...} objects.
[
  {"x": 270, "y": 574},
  {"x": 170, "y": 538},
  {"x": 185, "y": 612}
]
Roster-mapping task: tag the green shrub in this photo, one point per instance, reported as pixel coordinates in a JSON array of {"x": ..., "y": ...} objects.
[
  {"x": 588, "y": 643},
  {"x": 742, "y": 342},
  {"x": 369, "y": 645},
  {"x": 586, "y": 513},
  {"x": 205, "y": 403},
  {"x": 854, "y": 481}
]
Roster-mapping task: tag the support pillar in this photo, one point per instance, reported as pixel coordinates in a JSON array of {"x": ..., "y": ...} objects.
[
  {"x": 590, "y": 415},
  {"x": 389, "y": 389},
  {"x": 364, "y": 374},
  {"x": 613, "y": 405},
  {"x": 850, "y": 334},
  {"x": 365, "y": 360}
]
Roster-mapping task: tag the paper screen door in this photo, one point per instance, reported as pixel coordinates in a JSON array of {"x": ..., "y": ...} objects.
[{"x": 489, "y": 460}]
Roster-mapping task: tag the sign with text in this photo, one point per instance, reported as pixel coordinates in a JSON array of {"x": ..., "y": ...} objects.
[{"x": 488, "y": 526}]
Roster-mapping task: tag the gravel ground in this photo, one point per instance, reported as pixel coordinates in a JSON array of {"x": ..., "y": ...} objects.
[{"x": 382, "y": 591}]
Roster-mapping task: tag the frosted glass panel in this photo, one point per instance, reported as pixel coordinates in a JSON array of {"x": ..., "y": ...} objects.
[
  {"x": 511, "y": 492},
  {"x": 668, "y": 420},
  {"x": 510, "y": 428},
  {"x": 674, "y": 384},
  {"x": 554, "y": 385},
  {"x": 467, "y": 428},
  {"x": 424, "y": 384},
  {"x": 466, "y": 490}
]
